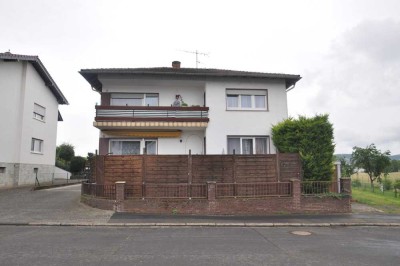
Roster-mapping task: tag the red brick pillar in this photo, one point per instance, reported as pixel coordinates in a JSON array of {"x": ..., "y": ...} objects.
[
  {"x": 211, "y": 190},
  {"x": 119, "y": 195},
  {"x": 345, "y": 184},
  {"x": 296, "y": 193}
]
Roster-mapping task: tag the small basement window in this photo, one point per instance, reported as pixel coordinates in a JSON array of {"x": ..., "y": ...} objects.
[{"x": 2, "y": 170}]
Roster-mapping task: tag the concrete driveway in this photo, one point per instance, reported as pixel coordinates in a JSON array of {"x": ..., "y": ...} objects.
[{"x": 22, "y": 205}]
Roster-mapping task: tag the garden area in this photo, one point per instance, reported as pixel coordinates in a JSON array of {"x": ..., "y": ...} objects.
[{"x": 384, "y": 195}]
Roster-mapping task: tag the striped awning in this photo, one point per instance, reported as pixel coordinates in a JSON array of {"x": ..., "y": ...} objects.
[
  {"x": 144, "y": 134},
  {"x": 155, "y": 124}
]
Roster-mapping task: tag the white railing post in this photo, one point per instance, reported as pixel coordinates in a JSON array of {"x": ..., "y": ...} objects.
[{"x": 338, "y": 175}]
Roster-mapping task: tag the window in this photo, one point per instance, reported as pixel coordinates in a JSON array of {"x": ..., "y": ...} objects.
[
  {"x": 248, "y": 145},
  {"x": 39, "y": 112},
  {"x": 134, "y": 99},
  {"x": 133, "y": 146},
  {"x": 151, "y": 146},
  {"x": 2, "y": 170},
  {"x": 37, "y": 145},
  {"x": 246, "y": 99},
  {"x": 151, "y": 99}
]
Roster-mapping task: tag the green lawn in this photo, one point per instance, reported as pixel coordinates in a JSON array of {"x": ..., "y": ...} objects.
[{"x": 383, "y": 201}]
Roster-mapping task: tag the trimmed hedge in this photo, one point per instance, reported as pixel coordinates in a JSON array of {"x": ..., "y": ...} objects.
[{"x": 312, "y": 138}]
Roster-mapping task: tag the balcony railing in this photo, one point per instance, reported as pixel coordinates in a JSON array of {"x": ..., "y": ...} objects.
[{"x": 151, "y": 113}]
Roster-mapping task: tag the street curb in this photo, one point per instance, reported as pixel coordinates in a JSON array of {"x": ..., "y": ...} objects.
[
  {"x": 55, "y": 186},
  {"x": 194, "y": 224}
]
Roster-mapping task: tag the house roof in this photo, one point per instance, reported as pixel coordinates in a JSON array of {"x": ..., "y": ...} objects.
[
  {"x": 42, "y": 71},
  {"x": 91, "y": 75}
]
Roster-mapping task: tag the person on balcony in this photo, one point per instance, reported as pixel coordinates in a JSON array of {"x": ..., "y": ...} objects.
[{"x": 177, "y": 102}]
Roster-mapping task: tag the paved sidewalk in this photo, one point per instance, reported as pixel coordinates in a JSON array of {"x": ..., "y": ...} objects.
[
  {"x": 61, "y": 206},
  {"x": 271, "y": 220}
]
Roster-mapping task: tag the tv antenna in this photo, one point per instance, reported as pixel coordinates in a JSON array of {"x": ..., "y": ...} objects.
[{"x": 197, "y": 53}]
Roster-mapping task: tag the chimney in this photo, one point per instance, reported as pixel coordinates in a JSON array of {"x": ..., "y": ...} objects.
[{"x": 176, "y": 64}]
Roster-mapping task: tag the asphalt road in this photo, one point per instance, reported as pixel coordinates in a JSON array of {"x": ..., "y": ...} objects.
[{"x": 20, "y": 245}]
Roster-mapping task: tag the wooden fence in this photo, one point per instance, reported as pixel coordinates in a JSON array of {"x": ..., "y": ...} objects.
[{"x": 194, "y": 169}]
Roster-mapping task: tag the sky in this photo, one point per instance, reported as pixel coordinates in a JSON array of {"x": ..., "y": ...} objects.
[{"x": 347, "y": 52}]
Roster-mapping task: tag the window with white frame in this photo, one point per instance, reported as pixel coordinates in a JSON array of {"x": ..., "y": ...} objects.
[
  {"x": 242, "y": 99},
  {"x": 248, "y": 144},
  {"x": 132, "y": 146},
  {"x": 39, "y": 112},
  {"x": 134, "y": 99},
  {"x": 37, "y": 145}
]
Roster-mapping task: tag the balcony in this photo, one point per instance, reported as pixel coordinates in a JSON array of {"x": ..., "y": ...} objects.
[{"x": 150, "y": 117}]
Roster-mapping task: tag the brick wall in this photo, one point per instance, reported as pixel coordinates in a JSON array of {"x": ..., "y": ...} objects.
[
  {"x": 325, "y": 204},
  {"x": 294, "y": 203}
]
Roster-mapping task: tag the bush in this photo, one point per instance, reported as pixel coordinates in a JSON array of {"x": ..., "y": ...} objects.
[
  {"x": 62, "y": 164},
  {"x": 356, "y": 183},
  {"x": 77, "y": 164},
  {"x": 312, "y": 138},
  {"x": 387, "y": 184},
  {"x": 396, "y": 184}
]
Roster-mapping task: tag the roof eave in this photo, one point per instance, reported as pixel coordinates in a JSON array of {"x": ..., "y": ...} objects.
[
  {"x": 91, "y": 76},
  {"x": 42, "y": 71}
]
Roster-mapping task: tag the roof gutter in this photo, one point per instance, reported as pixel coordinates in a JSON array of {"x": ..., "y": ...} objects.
[{"x": 291, "y": 88}]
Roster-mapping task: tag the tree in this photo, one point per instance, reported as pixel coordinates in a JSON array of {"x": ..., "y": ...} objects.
[
  {"x": 372, "y": 160},
  {"x": 312, "y": 138},
  {"x": 65, "y": 152},
  {"x": 346, "y": 168},
  {"x": 77, "y": 164},
  {"x": 394, "y": 166}
]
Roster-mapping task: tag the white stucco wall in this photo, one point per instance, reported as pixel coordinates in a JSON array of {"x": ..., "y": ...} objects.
[
  {"x": 249, "y": 123},
  {"x": 192, "y": 92},
  {"x": 37, "y": 92},
  {"x": 222, "y": 122},
  {"x": 10, "y": 94},
  {"x": 21, "y": 87},
  {"x": 191, "y": 140}
]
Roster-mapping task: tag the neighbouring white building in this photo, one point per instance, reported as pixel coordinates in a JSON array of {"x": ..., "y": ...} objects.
[
  {"x": 29, "y": 115},
  {"x": 174, "y": 110}
]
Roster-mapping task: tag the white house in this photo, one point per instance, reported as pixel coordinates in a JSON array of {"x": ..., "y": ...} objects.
[
  {"x": 29, "y": 114},
  {"x": 144, "y": 109}
]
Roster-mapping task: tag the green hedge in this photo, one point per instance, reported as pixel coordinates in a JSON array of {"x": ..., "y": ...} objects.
[{"x": 312, "y": 138}]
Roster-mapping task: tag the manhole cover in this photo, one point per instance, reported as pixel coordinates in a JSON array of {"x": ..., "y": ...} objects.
[{"x": 301, "y": 233}]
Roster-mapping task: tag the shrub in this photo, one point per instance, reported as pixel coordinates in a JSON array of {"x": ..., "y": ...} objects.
[
  {"x": 312, "y": 138},
  {"x": 356, "y": 183},
  {"x": 396, "y": 184},
  {"x": 62, "y": 164},
  {"x": 387, "y": 184}
]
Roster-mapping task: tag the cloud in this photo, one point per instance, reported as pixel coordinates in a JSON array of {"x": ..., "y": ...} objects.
[
  {"x": 359, "y": 85},
  {"x": 377, "y": 41}
]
